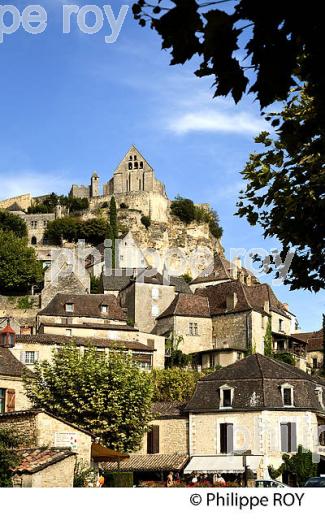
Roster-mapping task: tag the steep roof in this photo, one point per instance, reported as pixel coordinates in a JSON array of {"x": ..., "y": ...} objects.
[
  {"x": 167, "y": 409},
  {"x": 88, "y": 305},
  {"x": 56, "y": 339},
  {"x": 222, "y": 270},
  {"x": 192, "y": 305},
  {"x": 9, "y": 365},
  {"x": 248, "y": 298},
  {"x": 256, "y": 381},
  {"x": 314, "y": 340}
]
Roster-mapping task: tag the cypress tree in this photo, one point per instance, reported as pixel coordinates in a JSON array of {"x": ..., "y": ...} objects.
[{"x": 113, "y": 228}]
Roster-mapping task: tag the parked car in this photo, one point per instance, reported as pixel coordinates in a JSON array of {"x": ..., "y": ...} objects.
[
  {"x": 269, "y": 484},
  {"x": 315, "y": 482}
]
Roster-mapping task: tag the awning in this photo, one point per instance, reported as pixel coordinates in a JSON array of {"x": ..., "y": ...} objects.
[
  {"x": 223, "y": 464},
  {"x": 100, "y": 453},
  {"x": 150, "y": 463}
]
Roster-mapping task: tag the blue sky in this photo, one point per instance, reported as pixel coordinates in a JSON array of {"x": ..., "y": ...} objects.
[{"x": 71, "y": 104}]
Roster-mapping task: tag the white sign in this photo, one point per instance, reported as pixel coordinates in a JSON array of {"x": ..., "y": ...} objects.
[{"x": 65, "y": 440}]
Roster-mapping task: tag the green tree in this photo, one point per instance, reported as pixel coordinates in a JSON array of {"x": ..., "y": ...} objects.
[
  {"x": 93, "y": 231},
  {"x": 300, "y": 466},
  {"x": 146, "y": 221},
  {"x": 107, "y": 395},
  {"x": 19, "y": 267},
  {"x": 268, "y": 341},
  {"x": 174, "y": 384},
  {"x": 113, "y": 228},
  {"x": 261, "y": 47},
  {"x": 285, "y": 191},
  {"x": 211, "y": 217},
  {"x": 285, "y": 357},
  {"x": 184, "y": 209},
  {"x": 11, "y": 222},
  {"x": 9, "y": 458}
]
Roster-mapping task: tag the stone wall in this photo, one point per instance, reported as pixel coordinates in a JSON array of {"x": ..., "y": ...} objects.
[
  {"x": 190, "y": 343},
  {"x": 37, "y": 226},
  {"x": 24, "y": 426},
  {"x": 232, "y": 330},
  {"x": 173, "y": 436},
  {"x": 15, "y": 383},
  {"x": 58, "y": 475}
]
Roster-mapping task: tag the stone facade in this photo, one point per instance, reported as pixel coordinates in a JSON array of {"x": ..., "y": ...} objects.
[
  {"x": 36, "y": 226},
  {"x": 173, "y": 436},
  {"x": 24, "y": 201},
  {"x": 16, "y": 384},
  {"x": 58, "y": 475},
  {"x": 183, "y": 326}
]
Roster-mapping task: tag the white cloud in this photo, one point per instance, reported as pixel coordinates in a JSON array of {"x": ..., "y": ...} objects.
[
  {"x": 216, "y": 121},
  {"x": 15, "y": 183}
]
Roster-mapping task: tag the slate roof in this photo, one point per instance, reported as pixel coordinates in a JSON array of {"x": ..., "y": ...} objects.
[
  {"x": 37, "y": 459},
  {"x": 146, "y": 463},
  {"x": 87, "y": 305},
  {"x": 181, "y": 286},
  {"x": 10, "y": 365},
  {"x": 57, "y": 339},
  {"x": 314, "y": 340},
  {"x": 248, "y": 298},
  {"x": 192, "y": 305},
  {"x": 256, "y": 381},
  {"x": 116, "y": 282},
  {"x": 222, "y": 270},
  {"x": 167, "y": 409}
]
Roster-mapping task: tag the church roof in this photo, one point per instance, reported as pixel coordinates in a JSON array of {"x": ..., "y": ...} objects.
[{"x": 131, "y": 152}]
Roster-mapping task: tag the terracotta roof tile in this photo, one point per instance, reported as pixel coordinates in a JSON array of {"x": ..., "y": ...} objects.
[
  {"x": 314, "y": 340},
  {"x": 37, "y": 459},
  {"x": 173, "y": 462}
]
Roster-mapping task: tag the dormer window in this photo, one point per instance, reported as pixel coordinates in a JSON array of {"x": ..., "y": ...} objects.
[
  {"x": 69, "y": 307},
  {"x": 226, "y": 396},
  {"x": 319, "y": 394},
  {"x": 287, "y": 395},
  {"x": 104, "y": 309}
]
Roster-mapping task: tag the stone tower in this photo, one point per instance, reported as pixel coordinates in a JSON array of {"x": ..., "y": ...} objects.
[{"x": 94, "y": 186}]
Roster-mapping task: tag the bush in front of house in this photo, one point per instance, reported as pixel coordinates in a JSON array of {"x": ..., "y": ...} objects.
[{"x": 118, "y": 479}]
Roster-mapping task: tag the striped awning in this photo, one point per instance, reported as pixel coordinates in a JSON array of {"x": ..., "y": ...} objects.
[{"x": 223, "y": 464}]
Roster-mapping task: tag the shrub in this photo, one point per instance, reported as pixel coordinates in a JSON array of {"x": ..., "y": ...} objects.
[
  {"x": 146, "y": 221},
  {"x": 285, "y": 357},
  {"x": 95, "y": 285},
  {"x": 10, "y": 222},
  {"x": 211, "y": 217},
  {"x": 187, "y": 277},
  {"x": 174, "y": 384},
  {"x": 184, "y": 209},
  {"x": 84, "y": 475},
  {"x": 24, "y": 303},
  {"x": 118, "y": 479}
]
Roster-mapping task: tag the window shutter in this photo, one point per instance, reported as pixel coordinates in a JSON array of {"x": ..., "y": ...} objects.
[
  {"x": 153, "y": 440},
  {"x": 22, "y": 357},
  {"x": 284, "y": 437},
  {"x": 223, "y": 438},
  {"x": 230, "y": 438},
  {"x": 293, "y": 436},
  {"x": 36, "y": 355},
  {"x": 11, "y": 400}
]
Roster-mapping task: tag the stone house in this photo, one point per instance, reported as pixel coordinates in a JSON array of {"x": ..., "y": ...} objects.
[
  {"x": 99, "y": 319},
  {"x": 257, "y": 406},
  {"x": 165, "y": 446},
  {"x": 147, "y": 296},
  {"x": 49, "y": 448},
  {"x": 187, "y": 317},
  {"x": 315, "y": 348},
  {"x": 240, "y": 315}
]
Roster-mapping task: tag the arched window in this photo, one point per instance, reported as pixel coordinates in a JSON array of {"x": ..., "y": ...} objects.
[
  {"x": 139, "y": 184},
  {"x": 136, "y": 165},
  {"x": 135, "y": 157},
  {"x": 130, "y": 166},
  {"x": 141, "y": 165},
  {"x": 34, "y": 241}
]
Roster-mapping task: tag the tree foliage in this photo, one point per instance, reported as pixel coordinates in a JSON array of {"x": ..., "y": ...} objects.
[
  {"x": 107, "y": 395},
  {"x": 285, "y": 191},
  {"x": 49, "y": 203},
  {"x": 19, "y": 267},
  {"x": 174, "y": 384},
  {"x": 184, "y": 209},
  {"x": 93, "y": 231},
  {"x": 268, "y": 343},
  {"x": 263, "y": 48},
  {"x": 9, "y": 457},
  {"x": 300, "y": 466},
  {"x": 113, "y": 228},
  {"x": 187, "y": 212},
  {"x": 11, "y": 222}
]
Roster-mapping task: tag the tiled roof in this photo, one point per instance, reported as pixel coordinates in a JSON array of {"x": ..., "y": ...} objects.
[
  {"x": 116, "y": 282},
  {"x": 188, "y": 305},
  {"x": 256, "y": 381},
  {"x": 56, "y": 339},
  {"x": 314, "y": 340},
  {"x": 155, "y": 462},
  {"x": 91, "y": 325},
  {"x": 37, "y": 459},
  {"x": 168, "y": 409},
  {"x": 248, "y": 298},
  {"x": 143, "y": 276},
  {"x": 9, "y": 365},
  {"x": 222, "y": 270},
  {"x": 88, "y": 305}
]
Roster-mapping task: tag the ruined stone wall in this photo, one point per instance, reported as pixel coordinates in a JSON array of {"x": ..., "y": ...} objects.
[{"x": 24, "y": 201}]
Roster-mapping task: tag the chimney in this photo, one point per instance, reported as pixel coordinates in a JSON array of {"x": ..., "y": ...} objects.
[
  {"x": 267, "y": 306},
  {"x": 286, "y": 306},
  {"x": 231, "y": 301},
  {"x": 248, "y": 280},
  {"x": 237, "y": 262}
]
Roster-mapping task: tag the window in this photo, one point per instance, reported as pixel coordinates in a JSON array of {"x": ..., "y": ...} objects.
[
  {"x": 238, "y": 356},
  {"x": 193, "y": 329},
  {"x": 319, "y": 394},
  {"x": 69, "y": 307},
  {"x": 315, "y": 364},
  {"x": 226, "y": 396},
  {"x": 30, "y": 357},
  {"x": 33, "y": 241},
  {"x": 2, "y": 400},
  {"x": 322, "y": 436},
  {"x": 280, "y": 325},
  {"x": 130, "y": 166},
  {"x": 68, "y": 332},
  {"x": 104, "y": 309},
  {"x": 226, "y": 438},
  {"x": 153, "y": 440},
  {"x": 136, "y": 165},
  {"x": 288, "y": 437},
  {"x": 141, "y": 165},
  {"x": 155, "y": 311},
  {"x": 287, "y": 395}
]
